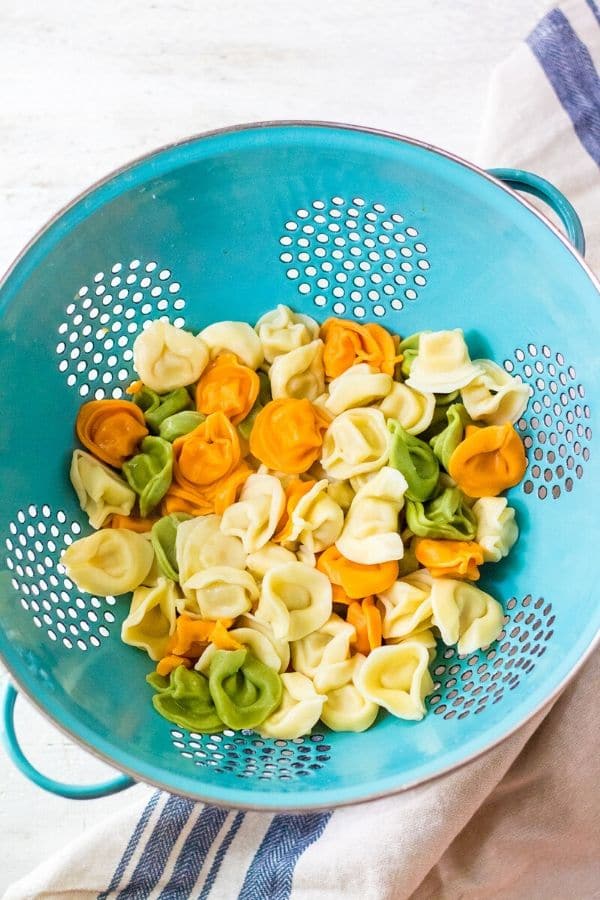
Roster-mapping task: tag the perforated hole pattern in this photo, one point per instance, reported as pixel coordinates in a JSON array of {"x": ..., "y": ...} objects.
[
  {"x": 101, "y": 322},
  {"x": 354, "y": 256},
  {"x": 467, "y": 685},
  {"x": 247, "y": 755},
  {"x": 33, "y": 545},
  {"x": 556, "y": 427}
]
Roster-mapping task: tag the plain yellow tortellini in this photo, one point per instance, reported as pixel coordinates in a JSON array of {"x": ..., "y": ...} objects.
[
  {"x": 357, "y": 441},
  {"x": 342, "y": 492},
  {"x": 397, "y": 678},
  {"x": 295, "y": 600},
  {"x": 370, "y": 533},
  {"x": 259, "y": 562},
  {"x": 406, "y": 607},
  {"x": 253, "y": 519},
  {"x": 442, "y": 364},
  {"x": 151, "y": 619},
  {"x": 346, "y": 708},
  {"x": 200, "y": 544},
  {"x": 315, "y": 523},
  {"x": 167, "y": 358},
  {"x": 426, "y": 638},
  {"x": 299, "y": 373},
  {"x": 282, "y": 647},
  {"x": 220, "y": 592},
  {"x": 99, "y": 490},
  {"x": 236, "y": 337},
  {"x": 464, "y": 614},
  {"x": 359, "y": 385},
  {"x": 282, "y": 330},
  {"x": 412, "y": 409},
  {"x": 110, "y": 561},
  {"x": 495, "y": 397},
  {"x": 324, "y": 655},
  {"x": 298, "y": 712},
  {"x": 497, "y": 530}
]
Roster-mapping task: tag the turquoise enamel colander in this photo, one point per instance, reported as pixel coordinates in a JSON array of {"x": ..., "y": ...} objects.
[{"x": 333, "y": 221}]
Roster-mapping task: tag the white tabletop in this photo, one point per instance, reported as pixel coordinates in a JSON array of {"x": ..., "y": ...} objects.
[{"x": 87, "y": 86}]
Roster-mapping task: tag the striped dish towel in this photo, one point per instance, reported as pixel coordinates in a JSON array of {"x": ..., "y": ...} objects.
[{"x": 519, "y": 823}]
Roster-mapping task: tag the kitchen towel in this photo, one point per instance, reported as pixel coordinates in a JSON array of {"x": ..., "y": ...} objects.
[{"x": 520, "y": 822}]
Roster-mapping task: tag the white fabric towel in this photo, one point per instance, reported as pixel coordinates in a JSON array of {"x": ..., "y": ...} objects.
[{"x": 522, "y": 821}]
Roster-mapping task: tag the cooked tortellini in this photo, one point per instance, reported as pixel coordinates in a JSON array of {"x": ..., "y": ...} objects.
[
  {"x": 282, "y": 330},
  {"x": 497, "y": 530},
  {"x": 253, "y": 519},
  {"x": 220, "y": 592},
  {"x": 300, "y": 530},
  {"x": 442, "y": 364},
  {"x": 299, "y": 373},
  {"x": 359, "y": 385},
  {"x": 406, "y": 606},
  {"x": 167, "y": 358},
  {"x": 316, "y": 522},
  {"x": 99, "y": 490},
  {"x": 200, "y": 544},
  {"x": 235, "y": 337},
  {"x": 464, "y": 614},
  {"x": 151, "y": 619},
  {"x": 295, "y": 600},
  {"x": 259, "y": 562},
  {"x": 347, "y": 708},
  {"x": 397, "y": 678},
  {"x": 411, "y": 408},
  {"x": 282, "y": 647},
  {"x": 357, "y": 441},
  {"x": 299, "y": 710},
  {"x": 370, "y": 533},
  {"x": 495, "y": 397},
  {"x": 110, "y": 561},
  {"x": 325, "y": 654}
]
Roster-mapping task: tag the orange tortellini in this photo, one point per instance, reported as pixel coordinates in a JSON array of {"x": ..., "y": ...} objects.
[
  {"x": 488, "y": 461},
  {"x": 228, "y": 387},
  {"x": 288, "y": 435}
]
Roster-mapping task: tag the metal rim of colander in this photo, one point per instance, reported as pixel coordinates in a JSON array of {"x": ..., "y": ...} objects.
[{"x": 494, "y": 742}]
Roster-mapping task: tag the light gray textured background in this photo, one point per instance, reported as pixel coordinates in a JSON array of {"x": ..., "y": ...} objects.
[{"x": 86, "y": 86}]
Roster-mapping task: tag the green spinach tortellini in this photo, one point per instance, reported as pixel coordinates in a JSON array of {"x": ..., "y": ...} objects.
[
  {"x": 184, "y": 698},
  {"x": 243, "y": 689},
  {"x": 163, "y": 536},
  {"x": 447, "y": 517},
  {"x": 157, "y": 408},
  {"x": 409, "y": 348},
  {"x": 416, "y": 460},
  {"x": 445, "y": 443},
  {"x": 150, "y": 472},
  {"x": 180, "y": 423}
]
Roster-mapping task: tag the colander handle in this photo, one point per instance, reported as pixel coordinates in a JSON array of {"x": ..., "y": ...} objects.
[
  {"x": 70, "y": 791},
  {"x": 520, "y": 180}
]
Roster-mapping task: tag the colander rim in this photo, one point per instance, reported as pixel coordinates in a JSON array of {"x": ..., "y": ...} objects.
[{"x": 451, "y": 767}]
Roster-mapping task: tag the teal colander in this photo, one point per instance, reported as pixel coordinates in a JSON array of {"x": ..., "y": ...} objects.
[{"x": 333, "y": 221}]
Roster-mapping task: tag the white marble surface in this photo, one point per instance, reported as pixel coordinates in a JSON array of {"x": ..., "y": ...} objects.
[{"x": 85, "y": 86}]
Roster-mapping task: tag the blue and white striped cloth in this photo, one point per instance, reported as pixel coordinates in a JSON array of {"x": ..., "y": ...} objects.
[{"x": 521, "y": 822}]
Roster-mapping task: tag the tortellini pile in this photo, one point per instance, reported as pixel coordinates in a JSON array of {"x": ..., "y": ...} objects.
[{"x": 300, "y": 512}]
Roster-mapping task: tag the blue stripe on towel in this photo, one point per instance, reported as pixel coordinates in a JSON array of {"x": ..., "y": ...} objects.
[
  {"x": 570, "y": 69},
  {"x": 153, "y": 860},
  {"x": 272, "y": 869},
  {"x": 131, "y": 846},
  {"x": 595, "y": 9},
  {"x": 220, "y": 855},
  {"x": 193, "y": 853}
]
